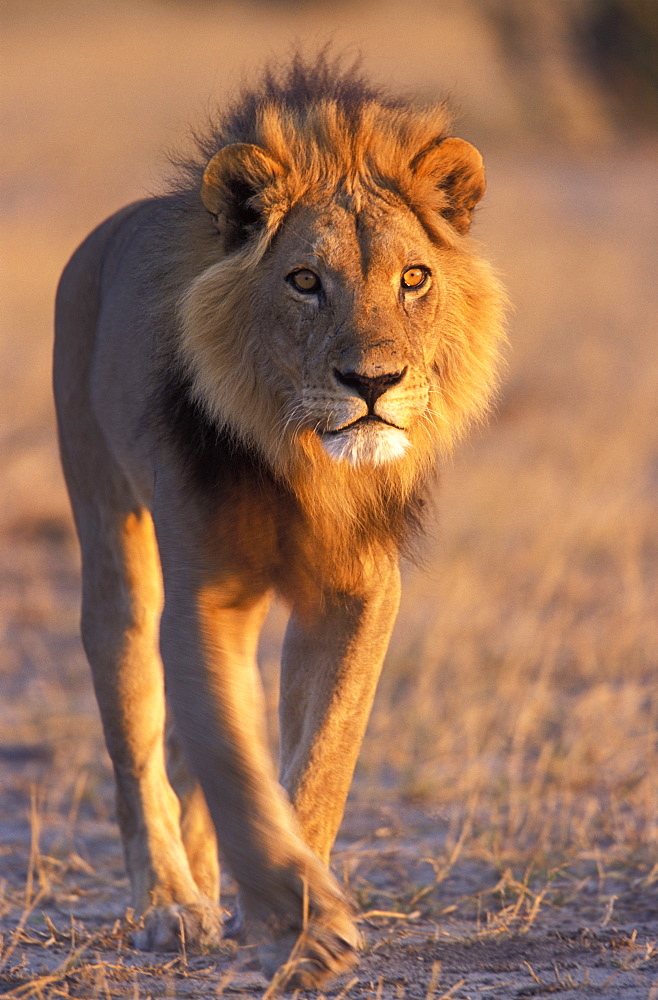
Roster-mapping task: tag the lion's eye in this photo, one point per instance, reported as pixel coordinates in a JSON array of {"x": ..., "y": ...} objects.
[
  {"x": 415, "y": 277},
  {"x": 304, "y": 280}
]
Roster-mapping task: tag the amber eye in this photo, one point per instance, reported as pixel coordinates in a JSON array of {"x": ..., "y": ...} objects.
[
  {"x": 415, "y": 277},
  {"x": 304, "y": 280}
]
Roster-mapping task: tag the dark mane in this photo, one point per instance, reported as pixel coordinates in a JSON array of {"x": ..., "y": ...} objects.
[
  {"x": 292, "y": 87},
  {"x": 302, "y": 83},
  {"x": 330, "y": 129},
  {"x": 218, "y": 466}
]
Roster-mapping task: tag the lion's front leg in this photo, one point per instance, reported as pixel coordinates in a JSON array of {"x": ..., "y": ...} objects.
[
  {"x": 120, "y": 610},
  {"x": 212, "y": 617},
  {"x": 331, "y": 664}
]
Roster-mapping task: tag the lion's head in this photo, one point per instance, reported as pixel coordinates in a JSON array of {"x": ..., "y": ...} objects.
[{"x": 343, "y": 323}]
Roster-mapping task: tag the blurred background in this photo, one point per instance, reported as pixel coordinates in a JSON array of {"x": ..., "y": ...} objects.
[{"x": 519, "y": 694}]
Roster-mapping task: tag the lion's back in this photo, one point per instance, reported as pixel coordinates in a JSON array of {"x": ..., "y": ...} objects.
[{"x": 103, "y": 344}]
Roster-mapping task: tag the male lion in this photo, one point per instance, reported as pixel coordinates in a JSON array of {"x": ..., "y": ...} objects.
[{"x": 254, "y": 374}]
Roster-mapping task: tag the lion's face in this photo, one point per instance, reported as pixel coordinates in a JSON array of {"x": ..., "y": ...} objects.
[
  {"x": 343, "y": 315},
  {"x": 350, "y": 302}
]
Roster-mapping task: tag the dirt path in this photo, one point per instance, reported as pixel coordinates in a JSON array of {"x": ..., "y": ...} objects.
[
  {"x": 466, "y": 931},
  {"x": 440, "y": 916}
]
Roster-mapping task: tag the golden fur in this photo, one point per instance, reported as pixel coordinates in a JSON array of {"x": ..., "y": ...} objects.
[
  {"x": 315, "y": 155},
  {"x": 228, "y": 433}
]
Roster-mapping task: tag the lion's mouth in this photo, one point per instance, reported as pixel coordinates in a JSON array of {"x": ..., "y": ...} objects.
[{"x": 370, "y": 418}]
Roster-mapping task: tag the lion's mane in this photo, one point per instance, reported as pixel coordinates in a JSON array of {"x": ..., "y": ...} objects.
[{"x": 330, "y": 131}]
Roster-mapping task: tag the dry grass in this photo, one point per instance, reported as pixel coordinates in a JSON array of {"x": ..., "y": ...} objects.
[
  {"x": 507, "y": 792},
  {"x": 531, "y": 683}
]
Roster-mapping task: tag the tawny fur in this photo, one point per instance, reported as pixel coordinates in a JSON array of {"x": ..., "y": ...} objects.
[
  {"x": 323, "y": 153},
  {"x": 221, "y": 436}
]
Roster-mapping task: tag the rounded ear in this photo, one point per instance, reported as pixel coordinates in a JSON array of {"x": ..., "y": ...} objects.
[
  {"x": 456, "y": 169},
  {"x": 232, "y": 182}
]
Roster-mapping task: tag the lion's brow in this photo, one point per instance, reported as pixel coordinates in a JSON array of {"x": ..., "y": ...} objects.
[{"x": 304, "y": 239}]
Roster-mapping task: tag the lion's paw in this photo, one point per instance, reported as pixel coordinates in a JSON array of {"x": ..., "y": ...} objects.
[
  {"x": 323, "y": 950},
  {"x": 193, "y": 927}
]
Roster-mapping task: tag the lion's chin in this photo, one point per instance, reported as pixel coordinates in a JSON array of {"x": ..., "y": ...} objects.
[{"x": 366, "y": 443}]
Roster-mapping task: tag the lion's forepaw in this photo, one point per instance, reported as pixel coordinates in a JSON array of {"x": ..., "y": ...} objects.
[
  {"x": 192, "y": 927},
  {"x": 323, "y": 950}
]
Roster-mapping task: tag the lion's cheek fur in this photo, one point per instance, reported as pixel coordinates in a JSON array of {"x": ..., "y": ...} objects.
[
  {"x": 221, "y": 346},
  {"x": 466, "y": 352}
]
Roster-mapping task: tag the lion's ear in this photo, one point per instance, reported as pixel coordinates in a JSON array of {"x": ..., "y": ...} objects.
[
  {"x": 455, "y": 168},
  {"x": 233, "y": 183}
]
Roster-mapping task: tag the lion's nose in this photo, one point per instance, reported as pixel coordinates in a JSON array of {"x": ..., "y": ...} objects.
[{"x": 369, "y": 387}]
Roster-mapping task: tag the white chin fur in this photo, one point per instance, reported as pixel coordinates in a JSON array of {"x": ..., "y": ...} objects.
[{"x": 366, "y": 444}]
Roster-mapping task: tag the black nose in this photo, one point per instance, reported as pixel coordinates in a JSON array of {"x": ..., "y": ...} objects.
[{"x": 369, "y": 387}]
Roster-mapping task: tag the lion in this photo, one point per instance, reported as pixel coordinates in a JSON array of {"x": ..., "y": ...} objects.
[{"x": 256, "y": 374}]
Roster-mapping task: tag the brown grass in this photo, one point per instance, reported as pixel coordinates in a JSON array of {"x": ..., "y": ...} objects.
[{"x": 507, "y": 793}]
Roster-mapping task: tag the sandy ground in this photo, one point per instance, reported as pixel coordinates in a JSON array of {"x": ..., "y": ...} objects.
[
  {"x": 581, "y": 932},
  {"x": 546, "y": 553}
]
